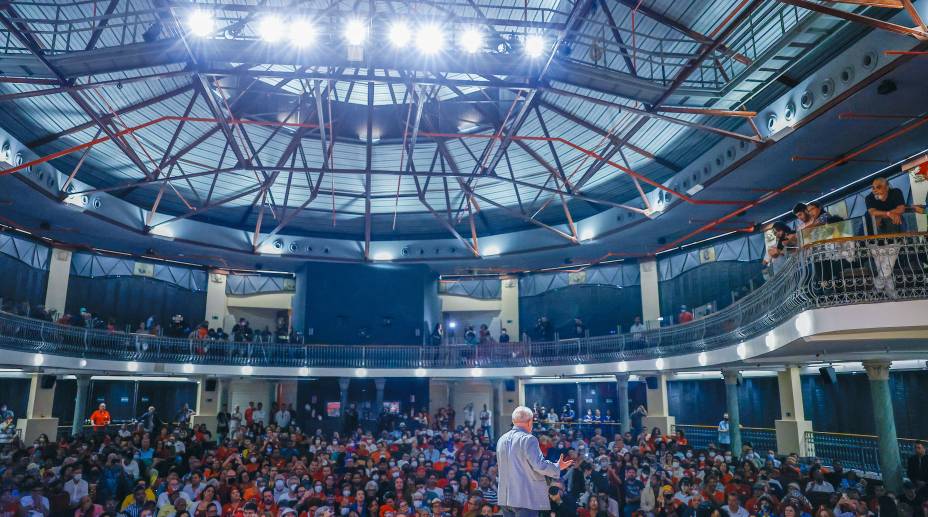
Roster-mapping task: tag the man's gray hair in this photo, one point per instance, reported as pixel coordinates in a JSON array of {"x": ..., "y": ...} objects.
[{"x": 522, "y": 414}]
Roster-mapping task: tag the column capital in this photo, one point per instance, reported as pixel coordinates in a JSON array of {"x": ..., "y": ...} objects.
[
  {"x": 343, "y": 383},
  {"x": 878, "y": 369},
  {"x": 622, "y": 378},
  {"x": 731, "y": 377},
  {"x": 380, "y": 382}
]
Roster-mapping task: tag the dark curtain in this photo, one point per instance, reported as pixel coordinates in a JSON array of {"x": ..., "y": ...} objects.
[
  {"x": 602, "y": 308},
  {"x": 20, "y": 282},
  {"x": 124, "y": 399},
  {"x": 581, "y": 396},
  {"x": 710, "y": 282},
  {"x": 131, "y": 299},
  {"x": 410, "y": 393},
  {"x": 702, "y": 402},
  {"x": 15, "y": 394},
  {"x": 167, "y": 397}
]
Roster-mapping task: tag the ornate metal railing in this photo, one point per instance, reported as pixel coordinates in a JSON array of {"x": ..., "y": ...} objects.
[
  {"x": 853, "y": 451},
  {"x": 761, "y": 439},
  {"x": 823, "y": 273}
]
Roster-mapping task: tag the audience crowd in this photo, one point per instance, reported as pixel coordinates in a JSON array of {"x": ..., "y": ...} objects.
[{"x": 260, "y": 464}]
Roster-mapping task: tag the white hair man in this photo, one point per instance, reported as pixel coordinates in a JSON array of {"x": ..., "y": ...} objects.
[{"x": 522, "y": 469}]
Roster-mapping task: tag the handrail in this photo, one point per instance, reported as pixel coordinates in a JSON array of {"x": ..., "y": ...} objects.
[{"x": 822, "y": 274}]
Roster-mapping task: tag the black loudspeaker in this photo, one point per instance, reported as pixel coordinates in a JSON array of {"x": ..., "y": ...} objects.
[
  {"x": 210, "y": 385},
  {"x": 651, "y": 382},
  {"x": 48, "y": 382},
  {"x": 828, "y": 374},
  {"x": 510, "y": 385}
]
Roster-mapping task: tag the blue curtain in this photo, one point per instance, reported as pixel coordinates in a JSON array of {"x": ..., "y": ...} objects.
[
  {"x": 20, "y": 282},
  {"x": 601, "y": 308},
  {"x": 131, "y": 299},
  {"x": 710, "y": 282}
]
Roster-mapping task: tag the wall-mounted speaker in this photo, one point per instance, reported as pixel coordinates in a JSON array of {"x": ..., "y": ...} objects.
[
  {"x": 651, "y": 382},
  {"x": 828, "y": 375},
  {"x": 47, "y": 382},
  {"x": 210, "y": 385},
  {"x": 510, "y": 385}
]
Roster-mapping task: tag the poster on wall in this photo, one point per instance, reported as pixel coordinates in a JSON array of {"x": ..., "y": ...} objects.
[
  {"x": 392, "y": 406},
  {"x": 333, "y": 409}
]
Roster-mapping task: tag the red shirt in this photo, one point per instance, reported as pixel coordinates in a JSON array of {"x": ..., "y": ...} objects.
[{"x": 100, "y": 418}]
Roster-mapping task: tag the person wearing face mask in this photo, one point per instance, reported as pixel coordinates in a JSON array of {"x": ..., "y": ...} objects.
[
  {"x": 76, "y": 488},
  {"x": 724, "y": 430}
]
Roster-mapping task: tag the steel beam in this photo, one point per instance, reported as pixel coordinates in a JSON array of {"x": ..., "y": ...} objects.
[{"x": 919, "y": 34}]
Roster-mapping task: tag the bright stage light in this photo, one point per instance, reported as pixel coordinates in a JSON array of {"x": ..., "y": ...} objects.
[
  {"x": 201, "y": 24},
  {"x": 430, "y": 39},
  {"x": 399, "y": 34},
  {"x": 302, "y": 33},
  {"x": 303, "y": 371},
  {"x": 471, "y": 40},
  {"x": 421, "y": 372},
  {"x": 271, "y": 29},
  {"x": 534, "y": 45},
  {"x": 530, "y": 370},
  {"x": 355, "y": 32}
]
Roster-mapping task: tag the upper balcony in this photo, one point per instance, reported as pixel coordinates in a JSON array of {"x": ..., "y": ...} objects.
[{"x": 839, "y": 295}]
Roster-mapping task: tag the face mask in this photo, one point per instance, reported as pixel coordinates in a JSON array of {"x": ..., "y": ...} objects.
[
  {"x": 702, "y": 458},
  {"x": 77, "y": 477},
  {"x": 415, "y": 464},
  {"x": 728, "y": 457},
  {"x": 711, "y": 454},
  {"x": 293, "y": 486},
  {"x": 318, "y": 488},
  {"x": 676, "y": 464},
  {"x": 279, "y": 484},
  {"x": 417, "y": 504},
  {"x": 376, "y": 477},
  {"x": 689, "y": 454},
  {"x": 392, "y": 463},
  {"x": 346, "y": 493}
]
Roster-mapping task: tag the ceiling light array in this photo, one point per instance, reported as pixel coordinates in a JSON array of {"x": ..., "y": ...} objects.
[{"x": 427, "y": 37}]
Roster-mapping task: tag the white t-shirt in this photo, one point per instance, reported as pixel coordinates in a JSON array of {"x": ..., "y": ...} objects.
[
  {"x": 740, "y": 513},
  {"x": 75, "y": 490},
  {"x": 27, "y": 504}
]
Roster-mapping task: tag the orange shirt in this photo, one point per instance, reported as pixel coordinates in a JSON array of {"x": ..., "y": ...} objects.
[{"x": 100, "y": 418}]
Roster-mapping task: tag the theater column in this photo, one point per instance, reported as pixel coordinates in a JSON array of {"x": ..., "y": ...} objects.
[
  {"x": 734, "y": 411},
  {"x": 343, "y": 383},
  {"x": 792, "y": 427},
  {"x": 621, "y": 381},
  {"x": 39, "y": 411},
  {"x": 885, "y": 424},
  {"x": 657, "y": 406},
  {"x": 650, "y": 294},
  {"x": 80, "y": 404},
  {"x": 379, "y": 383},
  {"x": 208, "y": 391},
  {"x": 509, "y": 306},
  {"x": 217, "y": 303},
  {"x": 59, "y": 271}
]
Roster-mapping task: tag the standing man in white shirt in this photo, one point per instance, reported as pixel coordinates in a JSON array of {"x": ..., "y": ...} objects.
[{"x": 259, "y": 414}]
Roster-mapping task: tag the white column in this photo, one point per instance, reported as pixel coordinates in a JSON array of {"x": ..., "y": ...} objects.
[
  {"x": 217, "y": 304},
  {"x": 207, "y": 403},
  {"x": 509, "y": 306},
  {"x": 792, "y": 427},
  {"x": 59, "y": 271},
  {"x": 650, "y": 294},
  {"x": 658, "y": 407},
  {"x": 39, "y": 412}
]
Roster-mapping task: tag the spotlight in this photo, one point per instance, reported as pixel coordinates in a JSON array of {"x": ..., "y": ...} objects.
[
  {"x": 659, "y": 364},
  {"x": 476, "y": 372},
  {"x": 132, "y": 366},
  {"x": 623, "y": 366},
  {"x": 703, "y": 359},
  {"x": 471, "y": 40},
  {"x": 83, "y": 363},
  {"x": 534, "y": 45},
  {"x": 420, "y": 372},
  {"x": 580, "y": 369},
  {"x": 360, "y": 372},
  {"x": 355, "y": 32},
  {"x": 399, "y": 34},
  {"x": 452, "y": 324},
  {"x": 303, "y": 371},
  {"x": 431, "y": 39},
  {"x": 383, "y": 256},
  {"x": 201, "y": 24},
  {"x": 271, "y": 29},
  {"x": 491, "y": 251},
  {"x": 187, "y": 368},
  {"x": 302, "y": 33},
  {"x": 38, "y": 359},
  {"x": 741, "y": 350},
  {"x": 248, "y": 369},
  {"x": 530, "y": 370},
  {"x": 587, "y": 235}
]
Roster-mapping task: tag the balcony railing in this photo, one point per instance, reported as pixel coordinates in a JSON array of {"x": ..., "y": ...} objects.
[
  {"x": 823, "y": 273},
  {"x": 853, "y": 451},
  {"x": 762, "y": 439}
]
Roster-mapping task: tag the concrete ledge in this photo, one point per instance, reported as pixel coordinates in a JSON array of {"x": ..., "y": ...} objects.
[{"x": 33, "y": 427}]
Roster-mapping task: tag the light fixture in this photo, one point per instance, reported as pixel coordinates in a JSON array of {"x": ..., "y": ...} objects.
[
  {"x": 530, "y": 370},
  {"x": 201, "y": 24},
  {"x": 430, "y": 39},
  {"x": 471, "y": 40},
  {"x": 303, "y": 371},
  {"x": 302, "y": 33},
  {"x": 271, "y": 29},
  {"x": 587, "y": 235},
  {"x": 623, "y": 366},
  {"x": 476, "y": 372},
  {"x": 659, "y": 364},
  {"x": 534, "y": 45},
  {"x": 248, "y": 369},
  {"x": 38, "y": 359},
  {"x": 83, "y": 363},
  {"x": 804, "y": 324},
  {"x": 132, "y": 366},
  {"x": 703, "y": 359},
  {"x": 421, "y": 372},
  {"x": 355, "y": 32},
  {"x": 360, "y": 372},
  {"x": 452, "y": 324},
  {"x": 581, "y": 369},
  {"x": 491, "y": 251},
  {"x": 383, "y": 256},
  {"x": 399, "y": 34},
  {"x": 741, "y": 350},
  {"x": 770, "y": 340},
  {"x": 187, "y": 368}
]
